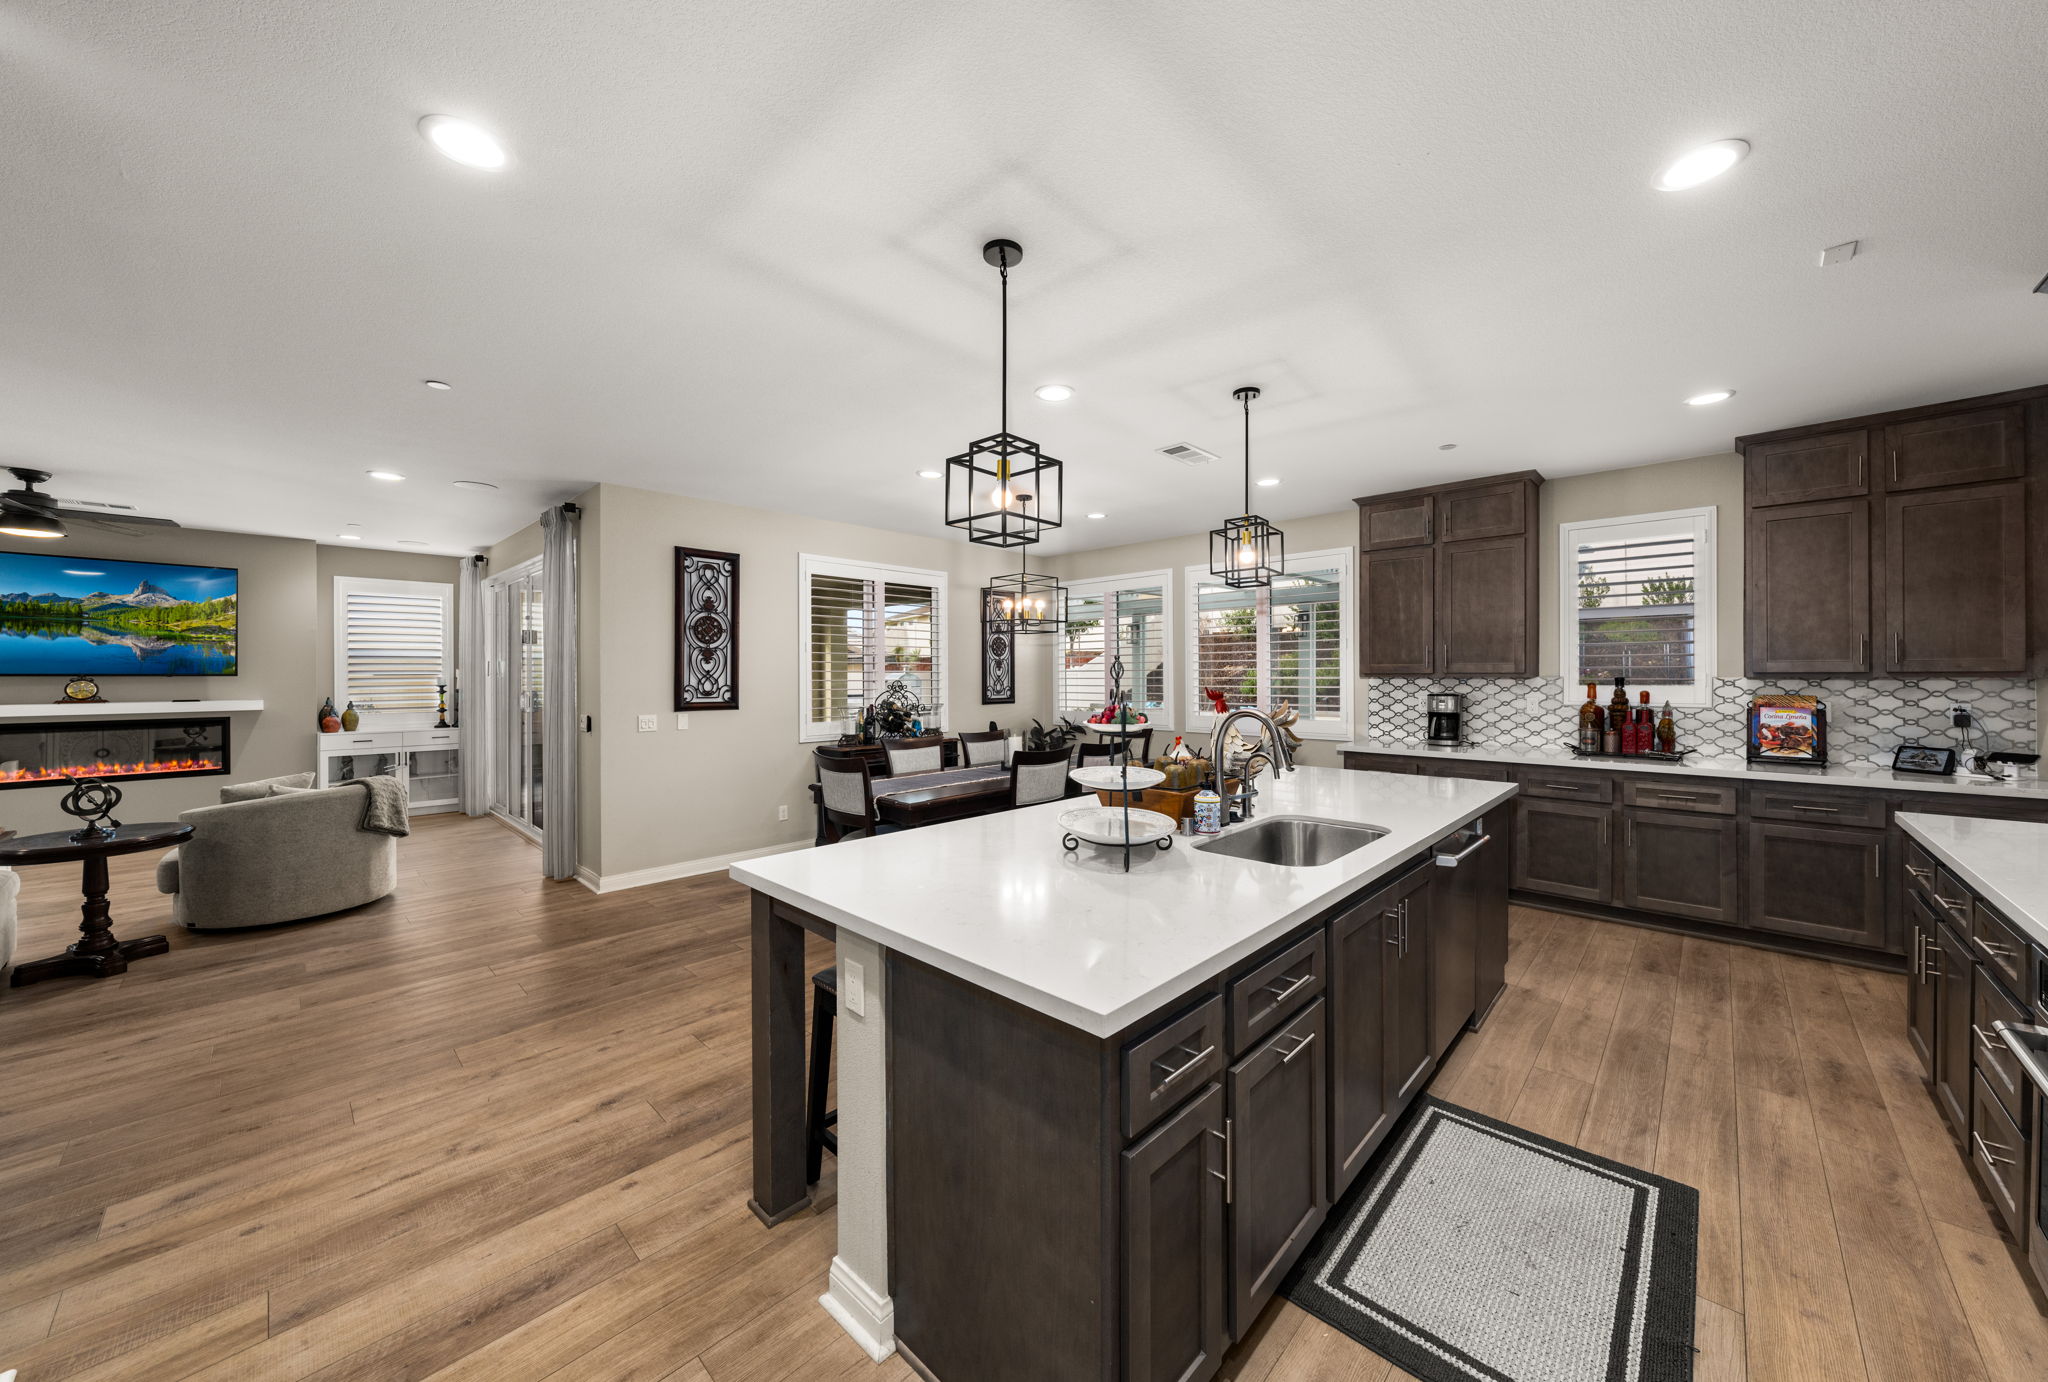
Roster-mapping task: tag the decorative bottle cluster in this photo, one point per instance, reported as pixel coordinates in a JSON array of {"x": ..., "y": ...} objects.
[{"x": 1621, "y": 728}]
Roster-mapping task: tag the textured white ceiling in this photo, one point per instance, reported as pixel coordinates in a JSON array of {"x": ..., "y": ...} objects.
[{"x": 736, "y": 254}]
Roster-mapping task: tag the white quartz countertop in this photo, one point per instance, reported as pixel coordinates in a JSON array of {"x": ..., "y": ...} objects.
[
  {"x": 995, "y": 900},
  {"x": 2004, "y": 862},
  {"x": 1849, "y": 774}
]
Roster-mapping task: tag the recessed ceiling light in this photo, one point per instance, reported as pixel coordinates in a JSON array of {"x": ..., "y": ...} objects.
[
  {"x": 1055, "y": 393},
  {"x": 927, "y": 474},
  {"x": 348, "y": 537},
  {"x": 1269, "y": 482},
  {"x": 411, "y": 542},
  {"x": 441, "y": 384},
  {"x": 1703, "y": 164},
  {"x": 470, "y": 145},
  {"x": 388, "y": 475},
  {"x": 1098, "y": 515},
  {"x": 1701, "y": 400},
  {"x": 473, "y": 484},
  {"x": 1448, "y": 446}
]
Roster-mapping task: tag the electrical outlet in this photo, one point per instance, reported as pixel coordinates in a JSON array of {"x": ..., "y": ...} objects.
[
  {"x": 782, "y": 813},
  {"x": 647, "y": 724},
  {"x": 1959, "y": 716},
  {"x": 682, "y": 722},
  {"x": 853, "y": 993}
]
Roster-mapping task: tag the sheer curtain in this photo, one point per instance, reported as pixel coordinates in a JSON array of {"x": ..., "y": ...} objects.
[
  {"x": 470, "y": 683},
  {"x": 559, "y": 530}
]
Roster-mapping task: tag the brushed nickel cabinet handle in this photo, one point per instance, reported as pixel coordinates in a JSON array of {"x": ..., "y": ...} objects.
[
  {"x": 1299, "y": 1047},
  {"x": 1984, "y": 1150},
  {"x": 1282, "y": 990},
  {"x": 1224, "y": 1174},
  {"x": 1802, "y": 806},
  {"x": 1895, "y": 463},
  {"x": 1993, "y": 1049},
  {"x": 1924, "y": 875},
  {"x": 1199, "y": 1057},
  {"x": 1918, "y": 958},
  {"x": 1451, "y": 861},
  {"x": 1677, "y": 796},
  {"x": 1927, "y": 969},
  {"x": 1564, "y": 786}
]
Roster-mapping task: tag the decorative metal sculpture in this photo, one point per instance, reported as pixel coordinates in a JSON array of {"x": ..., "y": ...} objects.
[
  {"x": 707, "y": 630},
  {"x": 92, "y": 803},
  {"x": 898, "y": 711}
]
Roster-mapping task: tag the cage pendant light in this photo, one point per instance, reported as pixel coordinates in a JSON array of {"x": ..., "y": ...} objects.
[
  {"x": 1026, "y": 601},
  {"x": 1247, "y": 550},
  {"x": 1002, "y": 490}
]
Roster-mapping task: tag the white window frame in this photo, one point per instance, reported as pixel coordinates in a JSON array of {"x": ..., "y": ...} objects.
[
  {"x": 1107, "y": 587},
  {"x": 1201, "y": 720},
  {"x": 344, "y": 586},
  {"x": 809, "y": 565},
  {"x": 1706, "y": 598}
]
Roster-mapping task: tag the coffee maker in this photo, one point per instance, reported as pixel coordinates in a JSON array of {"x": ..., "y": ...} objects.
[{"x": 1446, "y": 717}]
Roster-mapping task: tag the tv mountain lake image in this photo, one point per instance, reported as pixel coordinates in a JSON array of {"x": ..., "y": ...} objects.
[{"x": 115, "y": 618}]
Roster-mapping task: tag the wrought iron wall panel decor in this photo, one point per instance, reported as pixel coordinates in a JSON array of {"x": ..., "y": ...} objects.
[
  {"x": 707, "y": 630},
  {"x": 998, "y": 659}
]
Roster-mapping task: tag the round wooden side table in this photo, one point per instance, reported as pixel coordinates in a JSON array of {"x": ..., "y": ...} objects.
[{"x": 96, "y": 953}]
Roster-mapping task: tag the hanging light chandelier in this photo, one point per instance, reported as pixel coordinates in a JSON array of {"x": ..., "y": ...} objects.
[
  {"x": 1247, "y": 550},
  {"x": 1002, "y": 490},
  {"x": 1026, "y": 601}
]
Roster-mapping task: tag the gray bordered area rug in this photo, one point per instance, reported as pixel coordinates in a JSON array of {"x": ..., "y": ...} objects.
[{"x": 1477, "y": 1250}]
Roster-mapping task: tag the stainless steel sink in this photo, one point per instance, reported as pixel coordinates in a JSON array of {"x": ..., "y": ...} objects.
[{"x": 1300, "y": 842}]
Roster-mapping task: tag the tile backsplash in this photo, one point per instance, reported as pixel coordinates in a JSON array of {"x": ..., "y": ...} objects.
[{"x": 1867, "y": 716}]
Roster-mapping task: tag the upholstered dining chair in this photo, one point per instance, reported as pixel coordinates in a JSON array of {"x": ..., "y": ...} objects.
[
  {"x": 983, "y": 748},
  {"x": 1038, "y": 775},
  {"x": 1103, "y": 754},
  {"x": 926, "y": 755},
  {"x": 846, "y": 793},
  {"x": 1140, "y": 746}
]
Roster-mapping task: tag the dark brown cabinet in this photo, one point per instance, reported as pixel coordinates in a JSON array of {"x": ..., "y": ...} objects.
[
  {"x": 1361, "y": 1109},
  {"x": 1803, "y": 469},
  {"x": 1956, "y": 449},
  {"x": 1173, "y": 1247},
  {"x": 1951, "y": 976},
  {"x": 1276, "y": 1139},
  {"x": 1564, "y": 849},
  {"x": 1681, "y": 864},
  {"x": 1807, "y": 578},
  {"x": 1999, "y": 1152},
  {"x": 1410, "y": 1055},
  {"x": 1922, "y": 990},
  {"x": 1955, "y": 573},
  {"x": 1397, "y": 612},
  {"x": 1447, "y": 580},
  {"x": 1819, "y": 881}
]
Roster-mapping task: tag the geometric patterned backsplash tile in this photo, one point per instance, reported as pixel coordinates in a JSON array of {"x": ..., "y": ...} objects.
[{"x": 1868, "y": 717}]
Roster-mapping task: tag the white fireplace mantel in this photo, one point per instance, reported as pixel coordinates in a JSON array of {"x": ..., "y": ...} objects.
[{"x": 114, "y": 710}]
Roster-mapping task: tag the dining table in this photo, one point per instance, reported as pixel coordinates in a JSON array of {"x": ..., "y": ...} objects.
[{"x": 914, "y": 799}]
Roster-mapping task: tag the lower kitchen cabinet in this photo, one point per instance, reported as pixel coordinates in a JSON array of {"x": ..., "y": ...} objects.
[
  {"x": 1681, "y": 864},
  {"x": 1380, "y": 1039},
  {"x": 1174, "y": 1277},
  {"x": 1564, "y": 849},
  {"x": 1999, "y": 1152},
  {"x": 1952, "y": 974},
  {"x": 1923, "y": 929},
  {"x": 1823, "y": 882},
  {"x": 1276, "y": 1137}
]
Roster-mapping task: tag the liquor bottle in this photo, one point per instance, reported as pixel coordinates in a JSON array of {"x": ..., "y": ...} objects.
[
  {"x": 1667, "y": 732},
  {"x": 1617, "y": 717},
  {"x": 1646, "y": 725},
  {"x": 1592, "y": 722}
]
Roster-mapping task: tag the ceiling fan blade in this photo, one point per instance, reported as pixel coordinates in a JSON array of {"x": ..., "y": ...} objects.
[{"x": 100, "y": 516}]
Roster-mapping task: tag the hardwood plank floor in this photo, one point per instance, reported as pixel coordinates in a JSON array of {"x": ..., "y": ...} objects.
[{"x": 495, "y": 1127}]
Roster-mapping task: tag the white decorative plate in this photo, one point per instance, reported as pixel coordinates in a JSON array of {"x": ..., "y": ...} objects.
[
  {"x": 1113, "y": 780},
  {"x": 1104, "y": 825}
]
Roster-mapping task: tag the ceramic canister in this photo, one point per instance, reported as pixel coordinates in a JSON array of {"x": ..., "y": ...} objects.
[{"x": 1208, "y": 812}]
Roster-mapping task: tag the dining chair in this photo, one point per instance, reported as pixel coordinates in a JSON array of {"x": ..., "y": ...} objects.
[
  {"x": 926, "y": 755},
  {"x": 1139, "y": 746},
  {"x": 846, "y": 793},
  {"x": 1038, "y": 775},
  {"x": 1103, "y": 753},
  {"x": 983, "y": 748}
]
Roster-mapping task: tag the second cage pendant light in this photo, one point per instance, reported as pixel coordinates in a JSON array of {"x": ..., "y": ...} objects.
[
  {"x": 1247, "y": 550},
  {"x": 1002, "y": 490}
]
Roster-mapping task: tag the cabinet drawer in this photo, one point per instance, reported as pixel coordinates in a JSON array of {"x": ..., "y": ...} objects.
[
  {"x": 1478, "y": 772},
  {"x": 2003, "y": 948},
  {"x": 1994, "y": 1059},
  {"x": 1999, "y": 1153},
  {"x": 1951, "y": 900},
  {"x": 1920, "y": 868},
  {"x": 1715, "y": 798},
  {"x": 1568, "y": 786},
  {"x": 432, "y": 738},
  {"x": 1164, "y": 1068},
  {"x": 365, "y": 739},
  {"x": 1379, "y": 763},
  {"x": 1864, "y": 809},
  {"x": 1277, "y": 989}
]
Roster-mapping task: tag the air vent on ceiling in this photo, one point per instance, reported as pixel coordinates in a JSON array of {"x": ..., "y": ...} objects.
[
  {"x": 95, "y": 504},
  {"x": 1186, "y": 454}
]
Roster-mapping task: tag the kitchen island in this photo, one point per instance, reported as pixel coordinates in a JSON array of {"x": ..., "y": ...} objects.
[{"x": 1087, "y": 1118}]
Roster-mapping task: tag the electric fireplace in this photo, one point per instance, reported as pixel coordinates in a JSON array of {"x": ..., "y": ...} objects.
[{"x": 37, "y": 755}]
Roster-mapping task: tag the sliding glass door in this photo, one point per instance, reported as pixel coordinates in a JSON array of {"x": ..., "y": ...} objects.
[{"x": 513, "y": 664}]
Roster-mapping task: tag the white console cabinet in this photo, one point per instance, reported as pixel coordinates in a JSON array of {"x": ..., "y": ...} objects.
[{"x": 430, "y": 761}]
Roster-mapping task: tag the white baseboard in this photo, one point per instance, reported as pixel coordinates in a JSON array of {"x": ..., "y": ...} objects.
[
  {"x": 863, "y": 1312},
  {"x": 662, "y": 873}
]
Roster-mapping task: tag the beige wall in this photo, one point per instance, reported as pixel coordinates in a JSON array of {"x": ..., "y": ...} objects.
[{"x": 333, "y": 561}]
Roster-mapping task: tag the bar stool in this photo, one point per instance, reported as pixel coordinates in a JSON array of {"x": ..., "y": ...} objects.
[{"x": 819, "y": 1120}]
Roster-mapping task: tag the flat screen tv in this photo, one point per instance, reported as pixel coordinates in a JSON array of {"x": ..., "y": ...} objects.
[{"x": 69, "y": 616}]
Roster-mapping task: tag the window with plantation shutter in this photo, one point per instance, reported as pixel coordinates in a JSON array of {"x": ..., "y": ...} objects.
[
  {"x": 866, "y": 627},
  {"x": 1637, "y": 601},
  {"x": 393, "y": 648},
  {"x": 1268, "y": 647},
  {"x": 1108, "y": 618}
]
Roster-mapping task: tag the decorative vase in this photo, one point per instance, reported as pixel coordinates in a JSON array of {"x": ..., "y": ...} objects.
[
  {"x": 330, "y": 724},
  {"x": 349, "y": 718}
]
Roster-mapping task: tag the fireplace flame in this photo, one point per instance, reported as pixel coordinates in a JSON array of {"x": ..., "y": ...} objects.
[{"x": 110, "y": 769}]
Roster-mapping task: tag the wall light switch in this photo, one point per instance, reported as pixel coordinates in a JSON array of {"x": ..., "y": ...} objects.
[
  {"x": 682, "y": 722},
  {"x": 647, "y": 724},
  {"x": 853, "y": 993}
]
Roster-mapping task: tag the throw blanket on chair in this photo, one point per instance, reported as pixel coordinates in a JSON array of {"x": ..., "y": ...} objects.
[{"x": 384, "y": 809}]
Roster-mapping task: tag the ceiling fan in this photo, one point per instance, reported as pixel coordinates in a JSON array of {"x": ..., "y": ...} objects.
[{"x": 26, "y": 512}]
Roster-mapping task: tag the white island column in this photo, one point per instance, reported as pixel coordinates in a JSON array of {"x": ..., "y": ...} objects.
[{"x": 857, "y": 1294}]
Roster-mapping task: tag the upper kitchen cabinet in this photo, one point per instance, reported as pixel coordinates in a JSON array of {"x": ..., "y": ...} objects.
[
  {"x": 1448, "y": 581},
  {"x": 1900, "y": 544}
]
